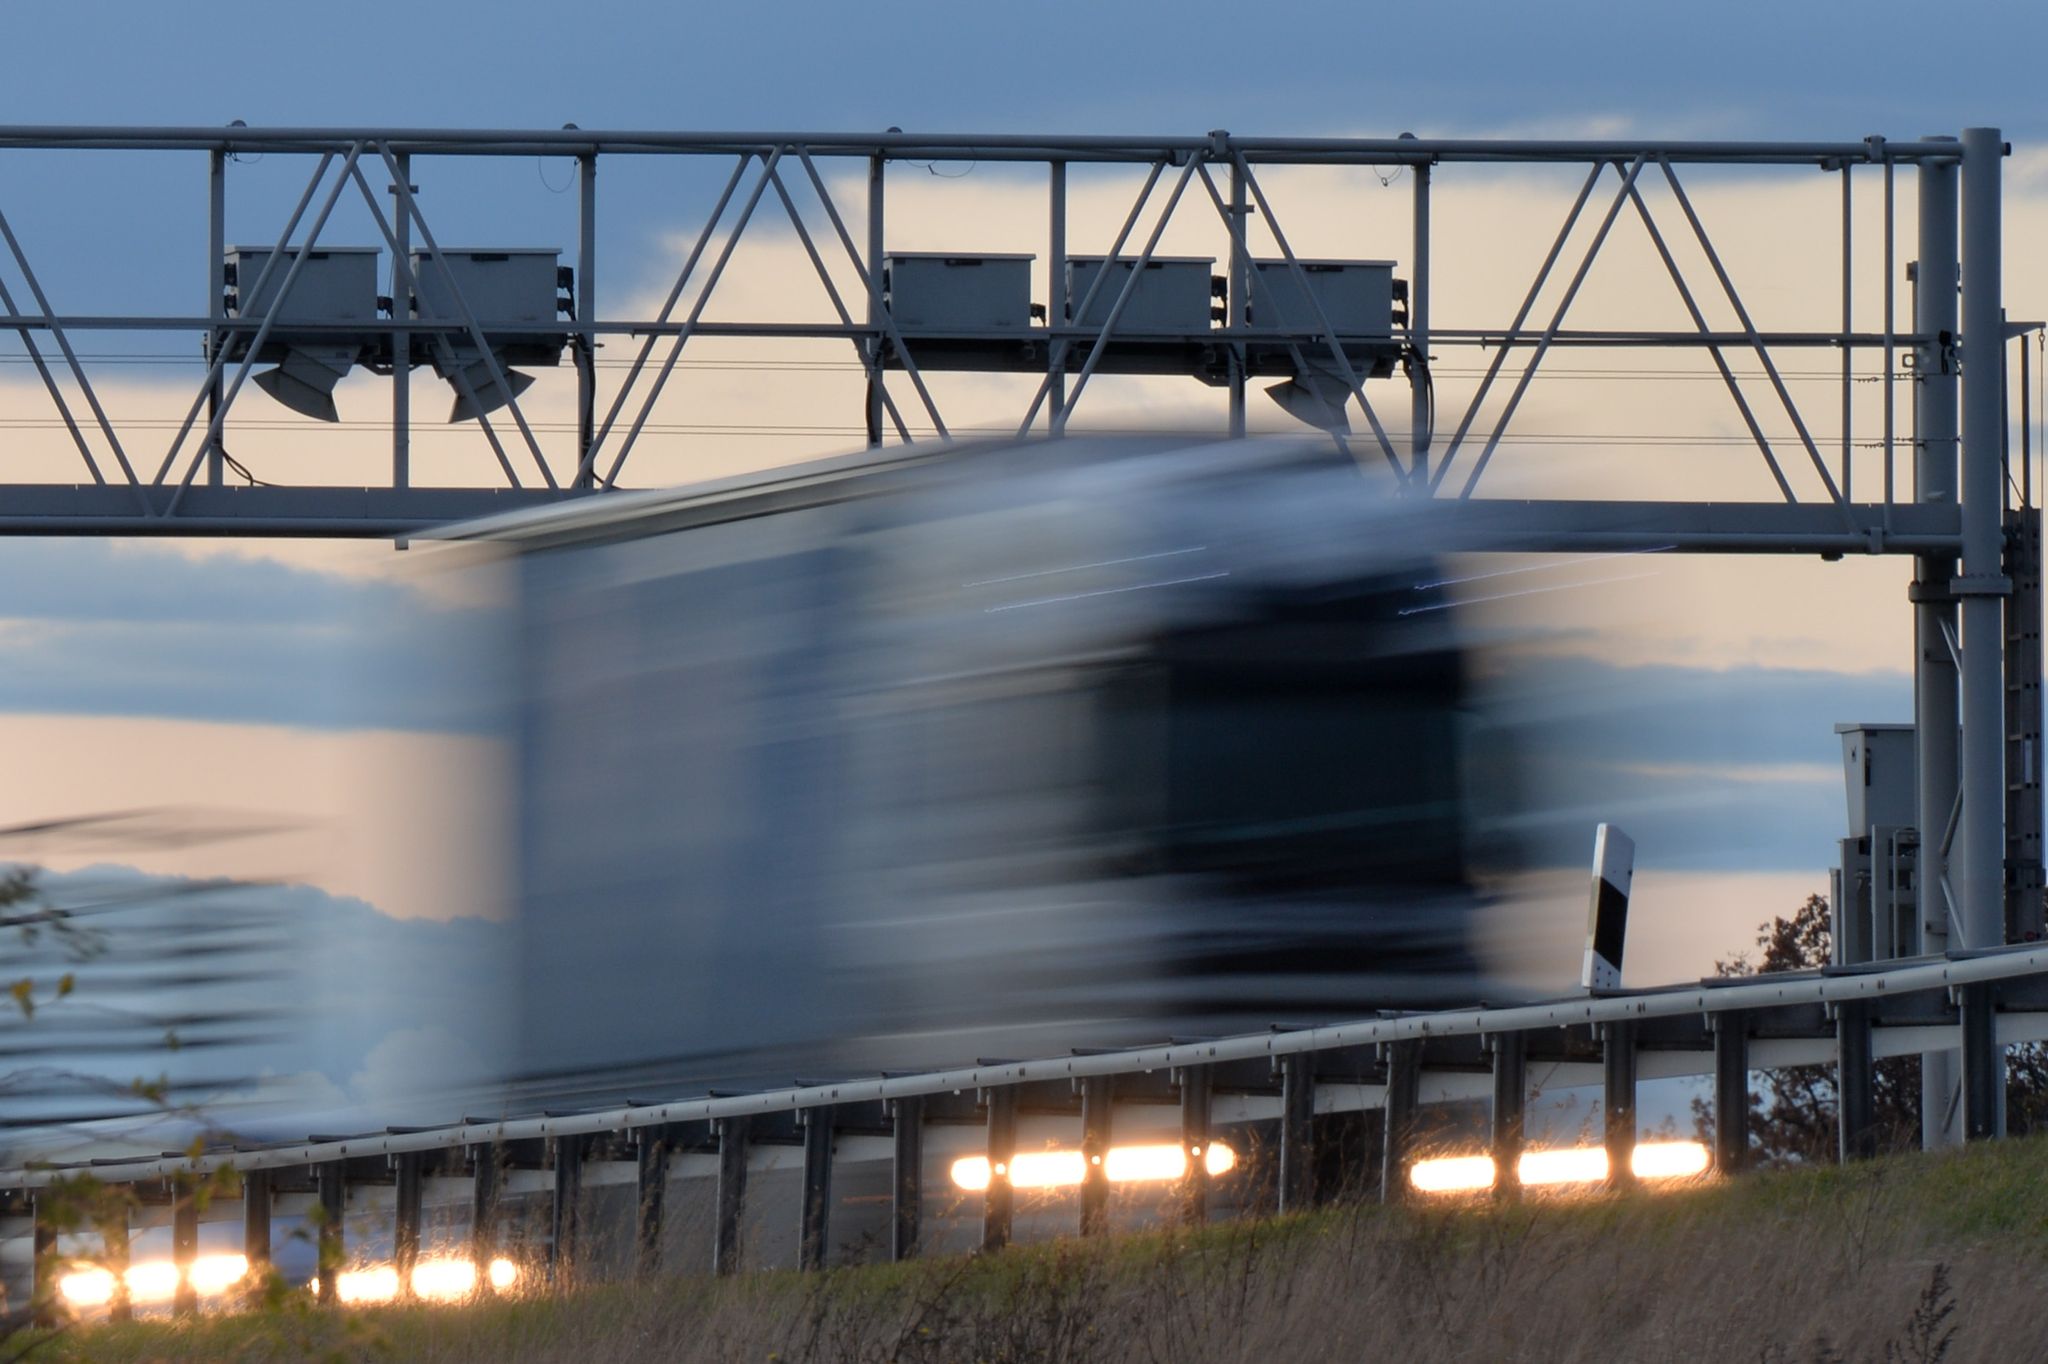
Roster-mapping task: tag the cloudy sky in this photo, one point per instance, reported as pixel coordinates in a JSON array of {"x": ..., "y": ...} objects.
[{"x": 295, "y": 679}]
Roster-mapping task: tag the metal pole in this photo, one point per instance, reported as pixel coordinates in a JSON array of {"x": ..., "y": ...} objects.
[
  {"x": 483, "y": 1211},
  {"x": 401, "y": 340},
  {"x": 43, "y": 1311},
  {"x": 906, "y": 1194},
  {"x": 814, "y": 1210},
  {"x": 256, "y": 1220},
  {"x": 876, "y": 268},
  {"x": 651, "y": 1184},
  {"x": 1510, "y": 1095},
  {"x": 1848, "y": 320},
  {"x": 1097, "y": 1093},
  {"x": 1983, "y": 585},
  {"x": 1983, "y": 1063},
  {"x": 405, "y": 1235},
  {"x": 1731, "y": 1092},
  {"x": 1404, "y": 1091},
  {"x": 999, "y": 1199},
  {"x": 586, "y": 316},
  {"x": 114, "y": 1242},
  {"x": 333, "y": 1204},
  {"x": 1297, "y": 1143},
  {"x": 1056, "y": 301},
  {"x": 1855, "y": 1083},
  {"x": 184, "y": 1246},
  {"x": 1195, "y": 1089},
  {"x": 216, "y": 298},
  {"x": 733, "y": 1134},
  {"x": 1419, "y": 432},
  {"x": 1618, "y": 1102},
  {"x": 568, "y": 1191},
  {"x": 1239, "y": 296},
  {"x": 1935, "y": 690}
]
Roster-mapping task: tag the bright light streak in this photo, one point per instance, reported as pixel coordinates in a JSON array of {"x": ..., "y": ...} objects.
[
  {"x": 1670, "y": 1160},
  {"x": 443, "y": 1280},
  {"x": 371, "y": 1283},
  {"x": 1570, "y": 1165},
  {"x": 1065, "y": 1169},
  {"x": 503, "y": 1274},
  {"x": 156, "y": 1281},
  {"x": 1452, "y": 1174},
  {"x": 87, "y": 1287},
  {"x": 1653, "y": 1160},
  {"x": 214, "y": 1274}
]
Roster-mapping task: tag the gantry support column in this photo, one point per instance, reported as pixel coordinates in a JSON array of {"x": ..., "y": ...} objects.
[
  {"x": 1936, "y": 695},
  {"x": 1983, "y": 584},
  {"x": 1419, "y": 397}
]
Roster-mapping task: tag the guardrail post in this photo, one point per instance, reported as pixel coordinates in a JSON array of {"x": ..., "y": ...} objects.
[
  {"x": 43, "y": 1303},
  {"x": 1097, "y": 1092},
  {"x": 483, "y": 1210},
  {"x": 1510, "y": 1098},
  {"x": 1983, "y": 1068},
  {"x": 184, "y": 1245},
  {"x": 333, "y": 1203},
  {"x": 906, "y": 1191},
  {"x": 815, "y": 1212},
  {"x": 114, "y": 1245},
  {"x": 734, "y": 1137},
  {"x": 255, "y": 1222},
  {"x": 405, "y": 1231},
  {"x": 999, "y": 1200},
  {"x": 651, "y": 1185},
  {"x": 1195, "y": 1086},
  {"x": 1731, "y": 1091},
  {"x": 1404, "y": 1093},
  {"x": 1618, "y": 1101},
  {"x": 1855, "y": 1082},
  {"x": 562, "y": 1205},
  {"x": 1297, "y": 1121}
]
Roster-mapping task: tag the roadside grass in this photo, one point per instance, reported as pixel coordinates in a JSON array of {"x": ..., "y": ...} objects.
[{"x": 1910, "y": 1258}]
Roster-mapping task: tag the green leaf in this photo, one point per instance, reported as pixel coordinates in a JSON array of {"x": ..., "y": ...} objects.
[
  {"x": 23, "y": 991},
  {"x": 65, "y": 984}
]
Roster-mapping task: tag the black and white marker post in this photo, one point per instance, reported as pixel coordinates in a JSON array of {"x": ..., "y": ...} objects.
[{"x": 1614, "y": 865}]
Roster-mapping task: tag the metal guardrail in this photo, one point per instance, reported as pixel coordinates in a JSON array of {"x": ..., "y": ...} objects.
[{"x": 1851, "y": 1016}]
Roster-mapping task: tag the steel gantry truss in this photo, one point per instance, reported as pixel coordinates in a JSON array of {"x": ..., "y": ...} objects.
[{"x": 189, "y": 487}]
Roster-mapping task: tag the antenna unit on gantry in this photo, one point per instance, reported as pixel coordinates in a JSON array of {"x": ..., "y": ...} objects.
[{"x": 501, "y": 306}]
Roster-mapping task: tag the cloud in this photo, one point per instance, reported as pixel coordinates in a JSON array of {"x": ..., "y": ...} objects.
[{"x": 86, "y": 630}]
